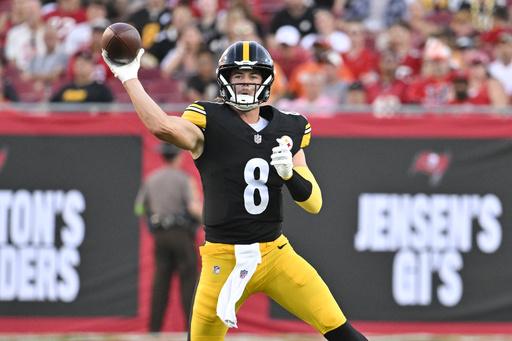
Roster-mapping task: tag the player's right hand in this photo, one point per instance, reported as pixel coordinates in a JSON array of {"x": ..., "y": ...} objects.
[{"x": 126, "y": 71}]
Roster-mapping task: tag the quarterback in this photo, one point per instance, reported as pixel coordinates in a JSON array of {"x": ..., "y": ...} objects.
[{"x": 245, "y": 153}]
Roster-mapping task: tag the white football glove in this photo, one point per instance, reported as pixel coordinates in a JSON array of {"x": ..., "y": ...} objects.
[
  {"x": 124, "y": 71},
  {"x": 282, "y": 160}
]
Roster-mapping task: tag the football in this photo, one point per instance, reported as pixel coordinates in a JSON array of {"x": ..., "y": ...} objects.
[{"x": 122, "y": 42}]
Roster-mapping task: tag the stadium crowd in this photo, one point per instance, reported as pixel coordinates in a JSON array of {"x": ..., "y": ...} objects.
[{"x": 327, "y": 53}]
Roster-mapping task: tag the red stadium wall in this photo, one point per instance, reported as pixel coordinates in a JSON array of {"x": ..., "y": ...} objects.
[{"x": 97, "y": 307}]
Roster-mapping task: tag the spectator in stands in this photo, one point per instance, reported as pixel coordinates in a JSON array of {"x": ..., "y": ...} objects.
[
  {"x": 337, "y": 7},
  {"x": 192, "y": 4},
  {"x": 242, "y": 29},
  {"x": 501, "y": 67},
  {"x": 377, "y": 16},
  {"x": 399, "y": 39},
  {"x": 208, "y": 23},
  {"x": 100, "y": 72},
  {"x": 334, "y": 87},
  {"x": 26, "y": 40},
  {"x": 296, "y": 82},
  {"x": 7, "y": 92},
  {"x": 80, "y": 37},
  {"x": 65, "y": 17},
  {"x": 9, "y": 17},
  {"x": 181, "y": 62},
  {"x": 387, "y": 88},
  {"x": 434, "y": 85},
  {"x": 419, "y": 20},
  {"x": 313, "y": 102},
  {"x": 482, "y": 89},
  {"x": 121, "y": 10},
  {"x": 241, "y": 9},
  {"x": 461, "y": 47},
  {"x": 237, "y": 24},
  {"x": 501, "y": 23},
  {"x": 482, "y": 12},
  {"x": 356, "y": 94},
  {"x": 462, "y": 24},
  {"x": 166, "y": 39},
  {"x": 327, "y": 29},
  {"x": 460, "y": 95},
  {"x": 361, "y": 60},
  {"x": 439, "y": 13},
  {"x": 203, "y": 85},
  {"x": 83, "y": 87},
  {"x": 44, "y": 69},
  {"x": 387, "y": 93},
  {"x": 288, "y": 53},
  {"x": 150, "y": 20},
  {"x": 296, "y": 13}
]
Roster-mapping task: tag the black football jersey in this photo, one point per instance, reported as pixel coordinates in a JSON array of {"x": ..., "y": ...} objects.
[{"x": 242, "y": 191}]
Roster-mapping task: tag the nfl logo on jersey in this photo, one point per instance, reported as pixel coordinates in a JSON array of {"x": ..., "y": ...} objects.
[
  {"x": 243, "y": 274},
  {"x": 257, "y": 138},
  {"x": 216, "y": 269}
]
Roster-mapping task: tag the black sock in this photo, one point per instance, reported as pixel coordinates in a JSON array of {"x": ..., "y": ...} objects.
[{"x": 345, "y": 332}]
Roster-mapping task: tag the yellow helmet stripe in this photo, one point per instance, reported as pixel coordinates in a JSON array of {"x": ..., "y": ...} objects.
[{"x": 246, "y": 51}]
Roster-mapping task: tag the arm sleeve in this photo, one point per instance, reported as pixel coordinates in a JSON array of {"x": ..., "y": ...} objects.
[{"x": 305, "y": 190}]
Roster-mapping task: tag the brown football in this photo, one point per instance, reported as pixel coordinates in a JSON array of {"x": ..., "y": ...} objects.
[{"x": 122, "y": 42}]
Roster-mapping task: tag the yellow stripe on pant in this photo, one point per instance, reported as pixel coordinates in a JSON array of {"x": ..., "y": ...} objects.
[{"x": 283, "y": 275}]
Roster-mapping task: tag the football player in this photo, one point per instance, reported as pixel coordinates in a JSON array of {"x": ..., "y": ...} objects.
[{"x": 245, "y": 153}]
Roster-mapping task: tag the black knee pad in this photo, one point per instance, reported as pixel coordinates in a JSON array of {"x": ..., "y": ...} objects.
[{"x": 345, "y": 332}]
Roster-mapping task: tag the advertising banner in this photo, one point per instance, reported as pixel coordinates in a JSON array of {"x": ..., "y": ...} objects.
[
  {"x": 412, "y": 229},
  {"x": 64, "y": 231}
]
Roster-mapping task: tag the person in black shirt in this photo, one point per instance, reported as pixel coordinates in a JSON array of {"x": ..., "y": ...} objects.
[
  {"x": 203, "y": 85},
  {"x": 245, "y": 154},
  {"x": 167, "y": 38},
  {"x": 295, "y": 13},
  {"x": 83, "y": 87},
  {"x": 150, "y": 20}
]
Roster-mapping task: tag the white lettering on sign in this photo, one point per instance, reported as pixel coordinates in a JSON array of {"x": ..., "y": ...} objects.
[
  {"x": 38, "y": 251},
  {"x": 428, "y": 234}
]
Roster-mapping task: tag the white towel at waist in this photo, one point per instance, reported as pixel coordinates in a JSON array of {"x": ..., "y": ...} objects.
[{"x": 247, "y": 259}]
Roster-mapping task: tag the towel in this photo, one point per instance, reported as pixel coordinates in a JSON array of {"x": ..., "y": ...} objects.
[{"x": 247, "y": 259}]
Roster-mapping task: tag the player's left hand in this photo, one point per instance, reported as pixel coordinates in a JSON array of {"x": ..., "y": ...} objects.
[
  {"x": 282, "y": 160},
  {"x": 124, "y": 72}
]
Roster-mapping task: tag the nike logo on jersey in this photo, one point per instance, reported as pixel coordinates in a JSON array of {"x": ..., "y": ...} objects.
[{"x": 281, "y": 246}]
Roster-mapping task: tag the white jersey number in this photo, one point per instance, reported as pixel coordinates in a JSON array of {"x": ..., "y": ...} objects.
[{"x": 256, "y": 184}]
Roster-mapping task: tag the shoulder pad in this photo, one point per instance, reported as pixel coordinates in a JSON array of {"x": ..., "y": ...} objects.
[
  {"x": 303, "y": 121},
  {"x": 196, "y": 114}
]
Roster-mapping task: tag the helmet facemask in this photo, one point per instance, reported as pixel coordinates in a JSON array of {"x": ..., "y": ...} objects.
[{"x": 261, "y": 93}]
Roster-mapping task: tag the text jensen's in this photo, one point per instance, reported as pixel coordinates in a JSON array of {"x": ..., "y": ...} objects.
[{"x": 428, "y": 233}]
